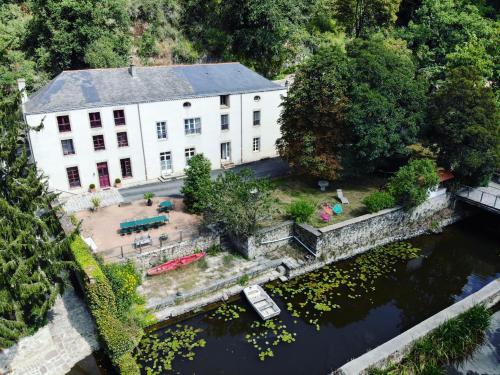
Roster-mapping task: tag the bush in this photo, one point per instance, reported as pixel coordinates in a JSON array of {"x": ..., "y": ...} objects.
[
  {"x": 301, "y": 210},
  {"x": 379, "y": 200},
  {"x": 92, "y": 186},
  {"x": 124, "y": 279},
  {"x": 411, "y": 183},
  {"x": 118, "y": 181}
]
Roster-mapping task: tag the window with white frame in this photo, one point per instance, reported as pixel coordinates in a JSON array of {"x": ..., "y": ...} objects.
[
  {"x": 189, "y": 153},
  {"x": 224, "y": 101},
  {"x": 161, "y": 129},
  {"x": 67, "y": 146},
  {"x": 256, "y": 118},
  {"x": 256, "y": 144},
  {"x": 224, "y": 122},
  {"x": 192, "y": 126}
]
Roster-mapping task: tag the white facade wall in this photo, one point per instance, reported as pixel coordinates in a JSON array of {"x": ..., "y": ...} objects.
[{"x": 144, "y": 146}]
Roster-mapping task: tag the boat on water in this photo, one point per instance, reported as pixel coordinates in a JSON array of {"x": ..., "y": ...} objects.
[
  {"x": 261, "y": 302},
  {"x": 174, "y": 264}
]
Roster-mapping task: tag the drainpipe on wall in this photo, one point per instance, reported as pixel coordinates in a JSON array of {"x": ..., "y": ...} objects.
[
  {"x": 142, "y": 142},
  {"x": 241, "y": 128}
]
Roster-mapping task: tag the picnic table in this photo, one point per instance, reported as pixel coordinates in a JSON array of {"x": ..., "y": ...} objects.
[
  {"x": 142, "y": 224},
  {"x": 142, "y": 241},
  {"x": 165, "y": 206}
]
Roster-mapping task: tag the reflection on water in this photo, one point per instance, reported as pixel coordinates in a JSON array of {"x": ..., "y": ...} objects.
[{"x": 452, "y": 265}]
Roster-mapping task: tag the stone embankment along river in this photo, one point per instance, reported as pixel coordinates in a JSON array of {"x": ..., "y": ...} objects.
[{"x": 394, "y": 350}]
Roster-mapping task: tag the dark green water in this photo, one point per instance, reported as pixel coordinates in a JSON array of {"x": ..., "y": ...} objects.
[{"x": 452, "y": 265}]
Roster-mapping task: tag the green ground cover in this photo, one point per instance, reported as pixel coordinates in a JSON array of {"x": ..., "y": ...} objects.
[{"x": 289, "y": 189}]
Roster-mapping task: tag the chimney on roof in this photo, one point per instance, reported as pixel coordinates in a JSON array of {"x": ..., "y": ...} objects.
[
  {"x": 131, "y": 68},
  {"x": 21, "y": 85}
]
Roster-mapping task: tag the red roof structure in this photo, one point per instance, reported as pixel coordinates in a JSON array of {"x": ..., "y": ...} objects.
[{"x": 445, "y": 175}]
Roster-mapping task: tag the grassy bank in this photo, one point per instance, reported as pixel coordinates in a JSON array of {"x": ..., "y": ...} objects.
[
  {"x": 452, "y": 342},
  {"x": 117, "y": 309}
]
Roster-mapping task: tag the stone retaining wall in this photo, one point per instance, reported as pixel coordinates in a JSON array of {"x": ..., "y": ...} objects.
[
  {"x": 354, "y": 236},
  {"x": 173, "y": 251},
  {"x": 394, "y": 350},
  {"x": 265, "y": 240}
]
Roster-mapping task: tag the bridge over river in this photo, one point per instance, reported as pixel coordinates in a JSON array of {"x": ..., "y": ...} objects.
[{"x": 487, "y": 197}]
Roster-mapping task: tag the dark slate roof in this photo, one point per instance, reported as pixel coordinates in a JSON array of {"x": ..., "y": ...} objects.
[{"x": 76, "y": 89}]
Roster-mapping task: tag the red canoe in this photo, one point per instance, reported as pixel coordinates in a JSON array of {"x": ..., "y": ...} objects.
[{"x": 174, "y": 264}]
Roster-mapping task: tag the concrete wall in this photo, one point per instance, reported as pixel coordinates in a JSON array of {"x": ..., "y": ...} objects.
[
  {"x": 144, "y": 146},
  {"x": 394, "y": 350},
  {"x": 177, "y": 250}
]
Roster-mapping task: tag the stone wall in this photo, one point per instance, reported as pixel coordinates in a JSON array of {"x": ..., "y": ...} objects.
[
  {"x": 350, "y": 237},
  {"x": 394, "y": 350},
  {"x": 265, "y": 240},
  {"x": 173, "y": 251}
]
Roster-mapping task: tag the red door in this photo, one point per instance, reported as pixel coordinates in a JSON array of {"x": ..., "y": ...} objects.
[{"x": 102, "y": 171}]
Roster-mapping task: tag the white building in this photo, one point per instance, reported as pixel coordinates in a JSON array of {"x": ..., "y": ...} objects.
[{"x": 140, "y": 123}]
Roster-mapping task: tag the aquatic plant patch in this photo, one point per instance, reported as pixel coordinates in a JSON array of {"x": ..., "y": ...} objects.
[
  {"x": 156, "y": 354},
  {"x": 311, "y": 296},
  {"x": 227, "y": 312},
  {"x": 264, "y": 336}
]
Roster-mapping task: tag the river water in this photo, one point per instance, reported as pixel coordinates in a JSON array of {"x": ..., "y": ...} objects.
[{"x": 450, "y": 266}]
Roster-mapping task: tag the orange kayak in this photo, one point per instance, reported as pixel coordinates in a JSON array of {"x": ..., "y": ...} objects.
[{"x": 174, "y": 264}]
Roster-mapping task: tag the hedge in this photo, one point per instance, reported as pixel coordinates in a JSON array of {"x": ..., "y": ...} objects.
[
  {"x": 379, "y": 200},
  {"x": 119, "y": 338}
]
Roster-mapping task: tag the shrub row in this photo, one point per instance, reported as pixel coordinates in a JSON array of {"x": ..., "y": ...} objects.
[{"x": 118, "y": 337}]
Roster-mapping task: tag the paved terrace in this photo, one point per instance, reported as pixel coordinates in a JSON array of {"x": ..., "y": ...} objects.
[
  {"x": 102, "y": 226},
  {"x": 55, "y": 348}
]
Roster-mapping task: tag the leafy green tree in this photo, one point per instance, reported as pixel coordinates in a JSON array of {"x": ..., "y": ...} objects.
[
  {"x": 386, "y": 101},
  {"x": 440, "y": 27},
  {"x": 31, "y": 244},
  {"x": 197, "y": 184},
  {"x": 411, "y": 183},
  {"x": 14, "y": 63},
  {"x": 312, "y": 121},
  {"x": 264, "y": 34},
  {"x": 465, "y": 126},
  {"x": 360, "y": 16},
  {"x": 65, "y": 34},
  {"x": 236, "y": 204}
]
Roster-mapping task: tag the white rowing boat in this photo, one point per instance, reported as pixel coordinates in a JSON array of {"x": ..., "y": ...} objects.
[{"x": 261, "y": 302}]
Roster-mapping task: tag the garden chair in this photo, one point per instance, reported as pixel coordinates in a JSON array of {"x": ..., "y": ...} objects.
[{"x": 341, "y": 197}]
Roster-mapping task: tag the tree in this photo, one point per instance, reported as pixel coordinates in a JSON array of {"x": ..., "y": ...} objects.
[
  {"x": 312, "y": 121},
  {"x": 465, "y": 126},
  {"x": 31, "y": 243},
  {"x": 386, "y": 102},
  {"x": 13, "y": 61},
  {"x": 411, "y": 183},
  {"x": 263, "y": 34},
  {"x": 236, "y": 204},
  {"x": 65, "y": 34},
  {"x": 197, "y": 184},
  {"x": 440, "y": 27},
  {"x": 360, "y": 16}
]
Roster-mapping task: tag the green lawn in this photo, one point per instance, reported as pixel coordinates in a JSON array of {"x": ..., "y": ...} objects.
[{"x": 289, "y": 189}]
